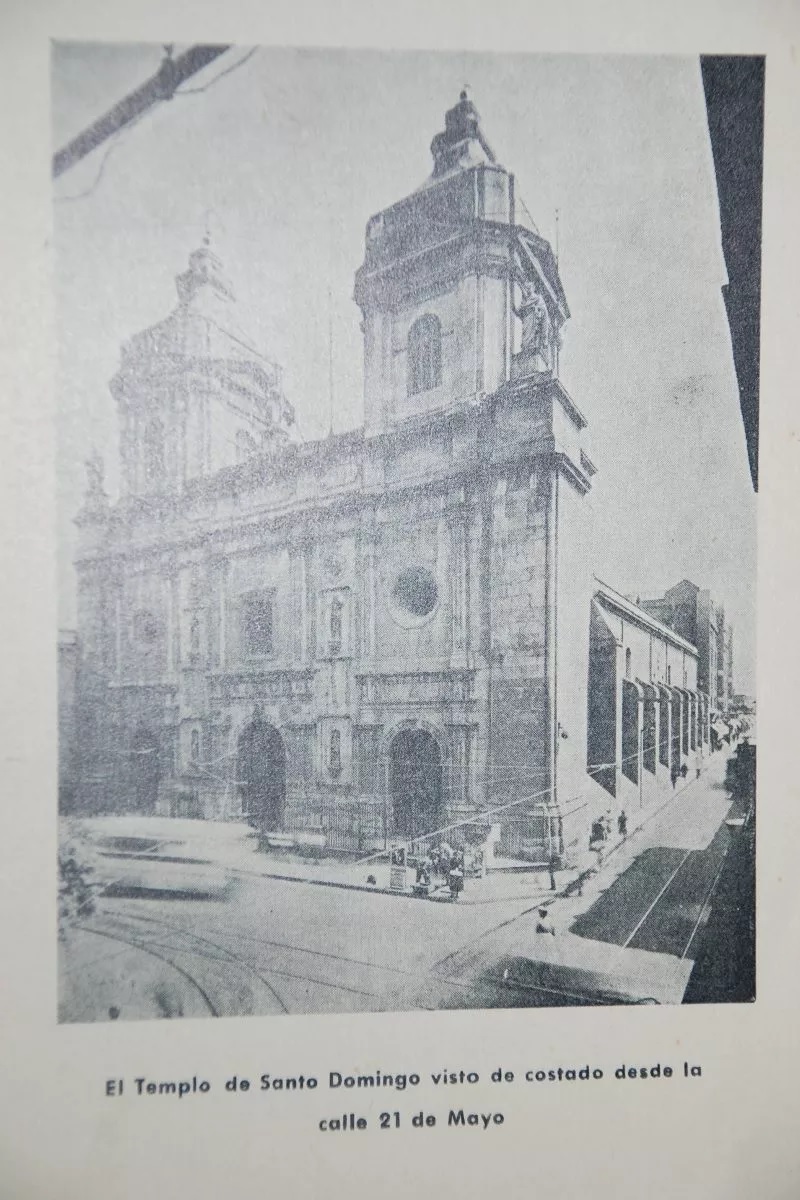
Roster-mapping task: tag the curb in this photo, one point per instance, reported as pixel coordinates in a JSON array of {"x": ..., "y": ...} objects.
[
  {"x": 381, "y": 891},
  {"x": 543, "y": 901}
]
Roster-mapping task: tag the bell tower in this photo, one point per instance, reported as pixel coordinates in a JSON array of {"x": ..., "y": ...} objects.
[{"x": 458, "y": 291}]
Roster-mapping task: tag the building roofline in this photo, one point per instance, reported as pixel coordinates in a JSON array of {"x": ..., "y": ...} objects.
[{"x": 631, "y": 610}]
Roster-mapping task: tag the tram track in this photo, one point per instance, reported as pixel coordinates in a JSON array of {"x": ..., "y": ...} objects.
[
  {"x": 661, "y": 897},
  {"x": 146, "y": 949},
  {"x": 262, "y": 973},
  {"x": 663, "y": 925},
  {"x": 421, "y": 980},
  {"x": 125, "y": 929}
]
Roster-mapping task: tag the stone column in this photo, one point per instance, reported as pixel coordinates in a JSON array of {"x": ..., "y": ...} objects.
[{"x": 459, "y": 593}]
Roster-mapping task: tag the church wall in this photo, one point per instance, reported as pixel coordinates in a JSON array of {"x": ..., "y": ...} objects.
[
  {"x": 494, "y": 307},
  {"x": 377, "y": 369},
  {"x": 573, "y": 594},
  {"x": 425, "y": 454},
  {"x": 401, "y": 637},
  {"x": 226, "y": 419},
  {"x": 566, "y": 434},
  {"x": 144, "y": 627},
  {"x": 519, "y": 763},
  {"x": 223, "y": 425}
]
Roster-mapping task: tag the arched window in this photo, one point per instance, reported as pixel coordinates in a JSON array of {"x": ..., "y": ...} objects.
[
  {"x": 245, "y": 445},
  {"x": 154, "y": 470},
  {"x": 335, "y": 753},
  {"x": 424, "y": 354},
  {"x": 336, "y": 627},
  {"x": 627, "y": 664}
]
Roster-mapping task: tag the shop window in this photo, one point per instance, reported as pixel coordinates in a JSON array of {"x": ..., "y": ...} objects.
[
  {"x": 627, "y": 664},
  {"x": 424, "y": 355},
  {"x": 257, "y": 623}
]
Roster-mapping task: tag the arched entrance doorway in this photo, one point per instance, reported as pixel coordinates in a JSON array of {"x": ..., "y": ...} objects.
[
  {"x": 415, "y": 784},
  {"x": 261, "y": 774},
  {"x": 145, "y": 770}
]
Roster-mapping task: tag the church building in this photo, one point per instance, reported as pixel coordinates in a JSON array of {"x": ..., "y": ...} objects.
[{"x": 383, "y": 633}]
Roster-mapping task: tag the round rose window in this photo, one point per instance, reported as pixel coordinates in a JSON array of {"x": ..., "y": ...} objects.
[{"x": 414, "y": 593}]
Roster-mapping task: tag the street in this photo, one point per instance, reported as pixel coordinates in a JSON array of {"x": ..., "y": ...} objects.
[{"x": 271, "y": 945}]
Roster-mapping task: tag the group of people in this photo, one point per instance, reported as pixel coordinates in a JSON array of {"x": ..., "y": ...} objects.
[
  {"x": 601, "y": 832},
  {"x": 445, "y": 863},
  {"x": 601, "y": 827}
]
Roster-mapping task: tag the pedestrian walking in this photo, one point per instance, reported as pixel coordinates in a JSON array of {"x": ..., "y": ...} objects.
[
  {"x": 552, "y": 867},
  {"x": 422, "y": 887},
  {"x": 544, "y": 923},
  {"x": 455, "y": 880},
  {"x": 622, "y": 823}
]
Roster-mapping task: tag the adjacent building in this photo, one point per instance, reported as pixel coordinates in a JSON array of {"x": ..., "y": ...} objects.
[
  {"x": 693, "y": 613},
  {"x": 648, "y": 716}
]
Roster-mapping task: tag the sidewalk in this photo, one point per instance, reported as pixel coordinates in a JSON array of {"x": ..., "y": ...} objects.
[
  {"x": 584, "y": 881},
  {"x": 688, "y": 819},
  {"x": 234, "y": 847}
]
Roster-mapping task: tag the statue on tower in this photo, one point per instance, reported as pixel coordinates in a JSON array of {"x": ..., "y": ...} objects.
[{"x": 537, "y": 329}]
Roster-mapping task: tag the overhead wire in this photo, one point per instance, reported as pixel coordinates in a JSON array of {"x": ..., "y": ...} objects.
[{"x": 122, "y": 133}]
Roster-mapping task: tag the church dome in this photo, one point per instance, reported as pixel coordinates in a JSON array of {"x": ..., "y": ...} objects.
[{"x": 202, "y": 336}]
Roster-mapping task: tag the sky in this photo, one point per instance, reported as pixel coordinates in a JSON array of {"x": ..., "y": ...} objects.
[{"x": 285, "y": 154}]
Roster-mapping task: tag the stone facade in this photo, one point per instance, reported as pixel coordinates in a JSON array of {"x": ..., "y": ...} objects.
[{"x": 381, "y": 633}]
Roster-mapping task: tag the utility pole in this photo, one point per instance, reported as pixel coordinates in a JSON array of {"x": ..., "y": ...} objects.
[{"x": 161, "y": 86}]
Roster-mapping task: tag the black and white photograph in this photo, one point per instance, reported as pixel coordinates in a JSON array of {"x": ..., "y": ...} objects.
[{"x": 406, "y": 476}]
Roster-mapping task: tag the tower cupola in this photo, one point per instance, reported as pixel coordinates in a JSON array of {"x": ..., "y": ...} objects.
[
  {"x": 462, "y": 143},
  {"x": 458, "y": 292}
]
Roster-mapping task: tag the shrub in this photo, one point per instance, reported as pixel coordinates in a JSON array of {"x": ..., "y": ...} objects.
[{"x": 76, "y": 887}]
